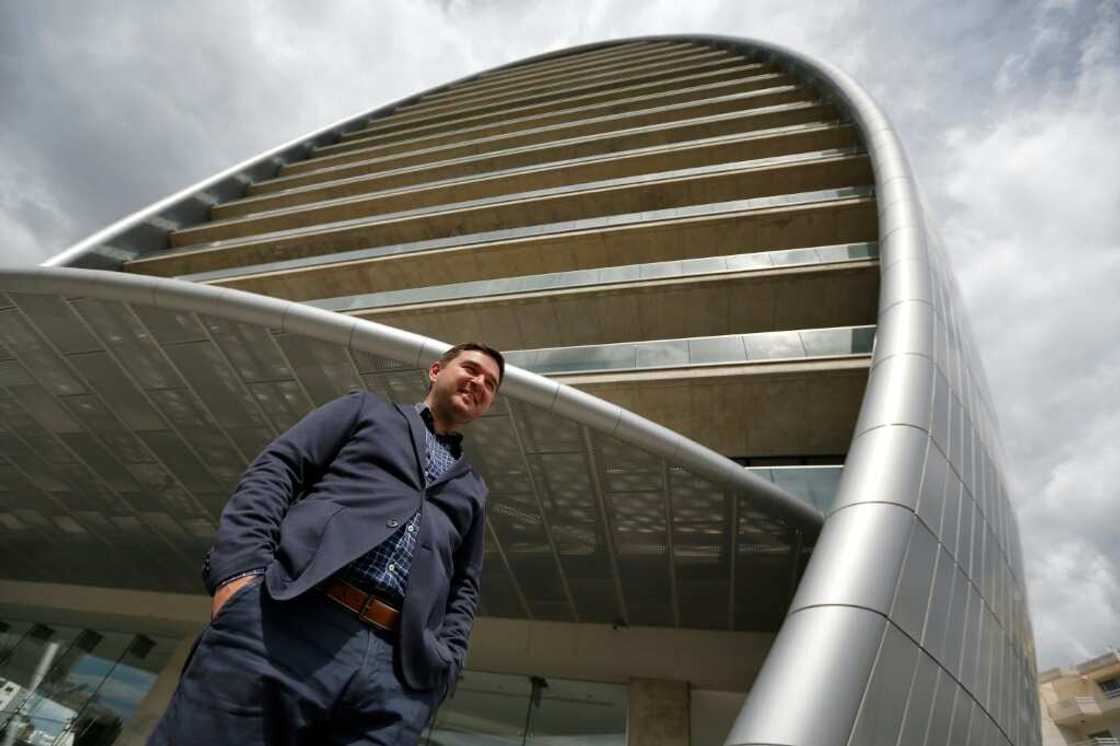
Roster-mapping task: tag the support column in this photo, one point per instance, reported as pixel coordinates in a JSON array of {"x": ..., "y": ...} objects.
[
  {"x": 148, "y": 713},
  {"x": 657, "y": 713}
]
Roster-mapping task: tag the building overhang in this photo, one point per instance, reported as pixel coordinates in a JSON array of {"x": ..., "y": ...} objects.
[{"x": 134, "y": 402}]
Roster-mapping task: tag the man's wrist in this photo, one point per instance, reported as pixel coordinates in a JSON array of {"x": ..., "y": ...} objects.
[{"x": 239, "y": 576}]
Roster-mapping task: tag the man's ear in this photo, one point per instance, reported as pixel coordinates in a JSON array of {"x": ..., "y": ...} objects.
[{"x": 433, "y": 371}]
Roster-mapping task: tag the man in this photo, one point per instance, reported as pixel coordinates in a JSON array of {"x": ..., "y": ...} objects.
[{"x": 345, "y": 573}]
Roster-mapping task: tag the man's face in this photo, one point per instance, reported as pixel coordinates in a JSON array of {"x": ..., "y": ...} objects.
[{"x": 464, "y": 388}]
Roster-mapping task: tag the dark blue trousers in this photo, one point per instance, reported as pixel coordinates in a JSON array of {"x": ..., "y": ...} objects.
[{"x": 304, "y": 671}]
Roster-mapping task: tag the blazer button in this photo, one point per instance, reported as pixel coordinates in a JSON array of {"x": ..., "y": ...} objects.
[{"x": 392, "y": 523}]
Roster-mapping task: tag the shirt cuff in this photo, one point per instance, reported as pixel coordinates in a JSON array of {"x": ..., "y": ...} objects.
[{"x": 238, "y": 576}]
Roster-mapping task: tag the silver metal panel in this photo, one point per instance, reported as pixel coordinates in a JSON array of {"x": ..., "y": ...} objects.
[
  {"x": 898, "y": 392},
  {"x": 920, "y": 701},
  {"x": 884, "y": 702},
  {"x": 863, "y": 546},
  {"x": 844, "y": 641},
  {"x": 942, "y": 715},
  {"x": 889, "y": 460},
  {"x": 915, "y": 583}
]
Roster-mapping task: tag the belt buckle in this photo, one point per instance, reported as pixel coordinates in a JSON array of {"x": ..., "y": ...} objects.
[{"x": 370, "y": 598}]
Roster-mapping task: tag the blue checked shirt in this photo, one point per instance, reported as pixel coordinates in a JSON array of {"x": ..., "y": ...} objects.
[{"x": 384, "y": 569}]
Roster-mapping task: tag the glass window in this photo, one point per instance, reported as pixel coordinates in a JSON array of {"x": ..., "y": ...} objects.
[
  {"x": 663, "y": 354},
  {"x": 578, "y": 712},
  {"x": 717, "y": 350},
  {"x": 1110, "y": 687},
  {"x": 489, "y": 709},
  {"x": 817, "y": 484},
  {"x": 774, "y": 345},
  {"x": 63, "y": 684}
]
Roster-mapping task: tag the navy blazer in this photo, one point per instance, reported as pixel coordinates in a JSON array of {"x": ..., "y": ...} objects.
[{"x": 337, "y": 484}]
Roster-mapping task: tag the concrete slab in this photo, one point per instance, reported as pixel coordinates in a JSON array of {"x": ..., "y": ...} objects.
[
  {"x": 688, "y": 154},
  {"x": 792, "y": 298},
  {"x": 606, "y": 246},
  {"x": 402, "y": 166},
  {"x": 713, "y": 180}
]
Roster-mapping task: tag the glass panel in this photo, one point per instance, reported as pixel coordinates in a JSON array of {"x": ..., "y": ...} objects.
[
  {"x": 817, "y": 484},
  {"x": 682, "y": 352},
  {"x": 498, "y": 709},
  {"x": 665, "y": 354},
  {"x": 485, "y": 709},
  {"x": 625, "y": 273},
  {"x": 69, "y": 685},
  {"x": 784, "y": 258},
  {"x": 742, "y": 262},
  {"x": 601, "y": 276},
  {"x": 660, "y": 269},
  {"x": 826, "y": 342},
  {"x": 716, "y": 350},
  {"x": 577, "y": 712},
  {"x": 774, "y": 345},
  {"x": 559, "y": 360},
  {"x": 706, "y": 265}
]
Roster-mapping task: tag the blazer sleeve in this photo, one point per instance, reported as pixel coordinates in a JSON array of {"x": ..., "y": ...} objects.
[
  {"x": 462, "y": 599},
  {"x": 249, "y": 529}
]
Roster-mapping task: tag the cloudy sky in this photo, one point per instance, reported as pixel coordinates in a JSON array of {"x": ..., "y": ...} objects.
[{"x": 1009, "y": 112}]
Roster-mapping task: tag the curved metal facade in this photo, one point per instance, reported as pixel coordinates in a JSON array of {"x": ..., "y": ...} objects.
[{"x": 909, "y": 625}]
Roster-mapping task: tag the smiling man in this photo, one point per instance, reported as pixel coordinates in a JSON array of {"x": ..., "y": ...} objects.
[{"x": 345, "y": 573}]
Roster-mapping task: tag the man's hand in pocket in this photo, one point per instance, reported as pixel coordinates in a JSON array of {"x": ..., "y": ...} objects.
[{"x": 227, "y": 591}]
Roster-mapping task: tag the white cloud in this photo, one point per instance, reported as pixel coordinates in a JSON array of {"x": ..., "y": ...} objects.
[{"x": 1031, "y": 199}]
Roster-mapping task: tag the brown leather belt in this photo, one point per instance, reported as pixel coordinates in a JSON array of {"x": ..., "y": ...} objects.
[{"x": 369, "y": 608}]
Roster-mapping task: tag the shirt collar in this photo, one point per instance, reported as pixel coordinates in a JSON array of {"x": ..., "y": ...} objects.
[{"x": 453, "y": 441}]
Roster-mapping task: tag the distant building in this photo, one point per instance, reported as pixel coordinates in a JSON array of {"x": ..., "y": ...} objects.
[{"x": 1081, "y": 704}]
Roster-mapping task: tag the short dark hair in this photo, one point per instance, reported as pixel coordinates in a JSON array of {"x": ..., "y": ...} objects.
[{"x": 455, "y": 351}]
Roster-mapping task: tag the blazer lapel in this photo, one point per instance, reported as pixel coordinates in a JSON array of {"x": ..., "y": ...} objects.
[{"x": 417, "y": 429}]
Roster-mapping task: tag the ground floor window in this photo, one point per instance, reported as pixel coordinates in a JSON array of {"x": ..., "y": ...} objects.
[
  {"x": 73, "y": 686},
  {"x": 490, "y": 709}
]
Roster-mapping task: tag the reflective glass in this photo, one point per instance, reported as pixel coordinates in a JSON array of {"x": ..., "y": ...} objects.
[
  {"x": 817, "y": 484},
  {"x": 774, "y": 345},
  {"x": 601, "y": 276},
  {"x": 826, "y": 342},
  {"x": 486, "y": 708},
  {"x": 579, "y": 712},
  {"x": 499, "y": 709},
  {"x": 695, "y": 351},
  {"x": 742, "y": 262},
  {"x": 671, "y": 353},
  {"x": 71, "y": 685},
  {"x": 716, "y": 350}
]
